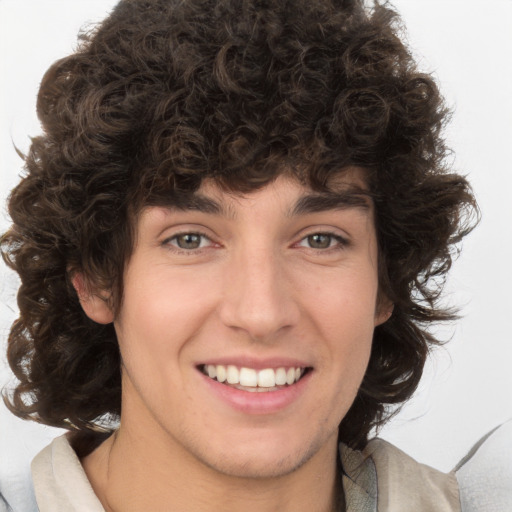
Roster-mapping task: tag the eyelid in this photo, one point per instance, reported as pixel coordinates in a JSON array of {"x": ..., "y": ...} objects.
[
  {"x": 184, "y": 228},
  {"x": 341, "y": 241},
  {"x": 324, "y": 229}
]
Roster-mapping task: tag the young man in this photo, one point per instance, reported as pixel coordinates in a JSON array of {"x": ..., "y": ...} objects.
[{"x": 230, "y": 239}]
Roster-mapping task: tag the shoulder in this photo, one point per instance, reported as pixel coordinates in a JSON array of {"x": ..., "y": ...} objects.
[
  {"x": 485, "y": 473},
  {"x": 60, "y": 483},
  {"x": 19, "y": 442},
  {"x": 390, "y": 480},
  {"x": 405, "y": 484},
  {"x": 382, "y": 477}
]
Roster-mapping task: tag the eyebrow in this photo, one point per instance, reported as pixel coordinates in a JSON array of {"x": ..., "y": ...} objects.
[
  {"x": 324, "y": 201},
  {"x": 195, "y": 202},
  {"x": 310, "y": 203}
]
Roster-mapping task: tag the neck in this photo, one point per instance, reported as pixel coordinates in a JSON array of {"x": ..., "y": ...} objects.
[{"x": 133, "y": 472}]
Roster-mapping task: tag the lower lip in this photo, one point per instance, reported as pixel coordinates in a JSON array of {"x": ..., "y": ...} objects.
[{"x": 266, "y": 402}]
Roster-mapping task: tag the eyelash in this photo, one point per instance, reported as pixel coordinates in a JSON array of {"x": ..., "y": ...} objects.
[
  {"x": 181, "y": 250},
  {"x": 340, "y": 242}
]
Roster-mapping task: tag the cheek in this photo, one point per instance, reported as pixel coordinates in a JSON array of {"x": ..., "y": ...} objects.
[
  {"x": 342, "y": 302},
  {"x": 350, "y": 356},
  {"x": 160, "y": 314},
  {"x": 343, "y": 313}
]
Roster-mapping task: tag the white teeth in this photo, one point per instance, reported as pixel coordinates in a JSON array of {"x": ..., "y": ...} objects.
[
  {"x": 233, "y": 375},
  {"x": 280, "y": 377},
  {"x": 254, "y": 380},
  {"x": 248, "y": 377},
  {"x": 266, "y": 378},
  {"x": 221, "y": 372}
]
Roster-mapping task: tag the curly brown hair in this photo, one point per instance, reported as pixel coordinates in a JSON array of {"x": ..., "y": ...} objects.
[{"x": 167, "y": 92}]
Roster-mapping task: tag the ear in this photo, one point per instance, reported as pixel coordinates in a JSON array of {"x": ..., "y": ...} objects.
[
  {"x": 384, "y": 311},
  {"x": 95, "y": 305}
]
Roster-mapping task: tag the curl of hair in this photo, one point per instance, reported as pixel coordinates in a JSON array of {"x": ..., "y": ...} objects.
[{"x": 165, "y": 93}]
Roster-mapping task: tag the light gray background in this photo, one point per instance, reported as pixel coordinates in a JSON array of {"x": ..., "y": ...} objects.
[{"x": 467, "y": 44}]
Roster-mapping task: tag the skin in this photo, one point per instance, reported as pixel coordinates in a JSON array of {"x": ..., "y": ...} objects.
[{"x": 259, "y": 286}]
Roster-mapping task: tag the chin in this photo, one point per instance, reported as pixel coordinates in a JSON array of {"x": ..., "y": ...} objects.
[
  {"x": 246, "y": 465},
  {"x": 261, "y": 460}
]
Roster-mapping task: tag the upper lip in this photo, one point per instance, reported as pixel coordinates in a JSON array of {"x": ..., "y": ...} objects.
[{"x": 257, "y": 363}]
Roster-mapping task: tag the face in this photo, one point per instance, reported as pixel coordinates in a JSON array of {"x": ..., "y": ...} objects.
[{"x": 247, "y": 323}]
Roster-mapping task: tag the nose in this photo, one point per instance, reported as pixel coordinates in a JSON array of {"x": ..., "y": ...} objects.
[{"x": 258, "y": 297}]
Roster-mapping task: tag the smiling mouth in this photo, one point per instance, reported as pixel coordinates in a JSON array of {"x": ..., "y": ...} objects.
[{"x": 249, "y": 379}]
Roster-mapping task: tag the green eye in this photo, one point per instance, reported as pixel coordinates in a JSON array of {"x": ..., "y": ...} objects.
[
  {"x": 323, "y": 241},
  {"x": 188, "y": 240},
  {"x": 319, "y": 241}
]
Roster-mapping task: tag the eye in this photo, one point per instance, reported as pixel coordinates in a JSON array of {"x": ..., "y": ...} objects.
[
  {"x": 189, "y": 241},
  {"x": 322, "y": 241}
]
